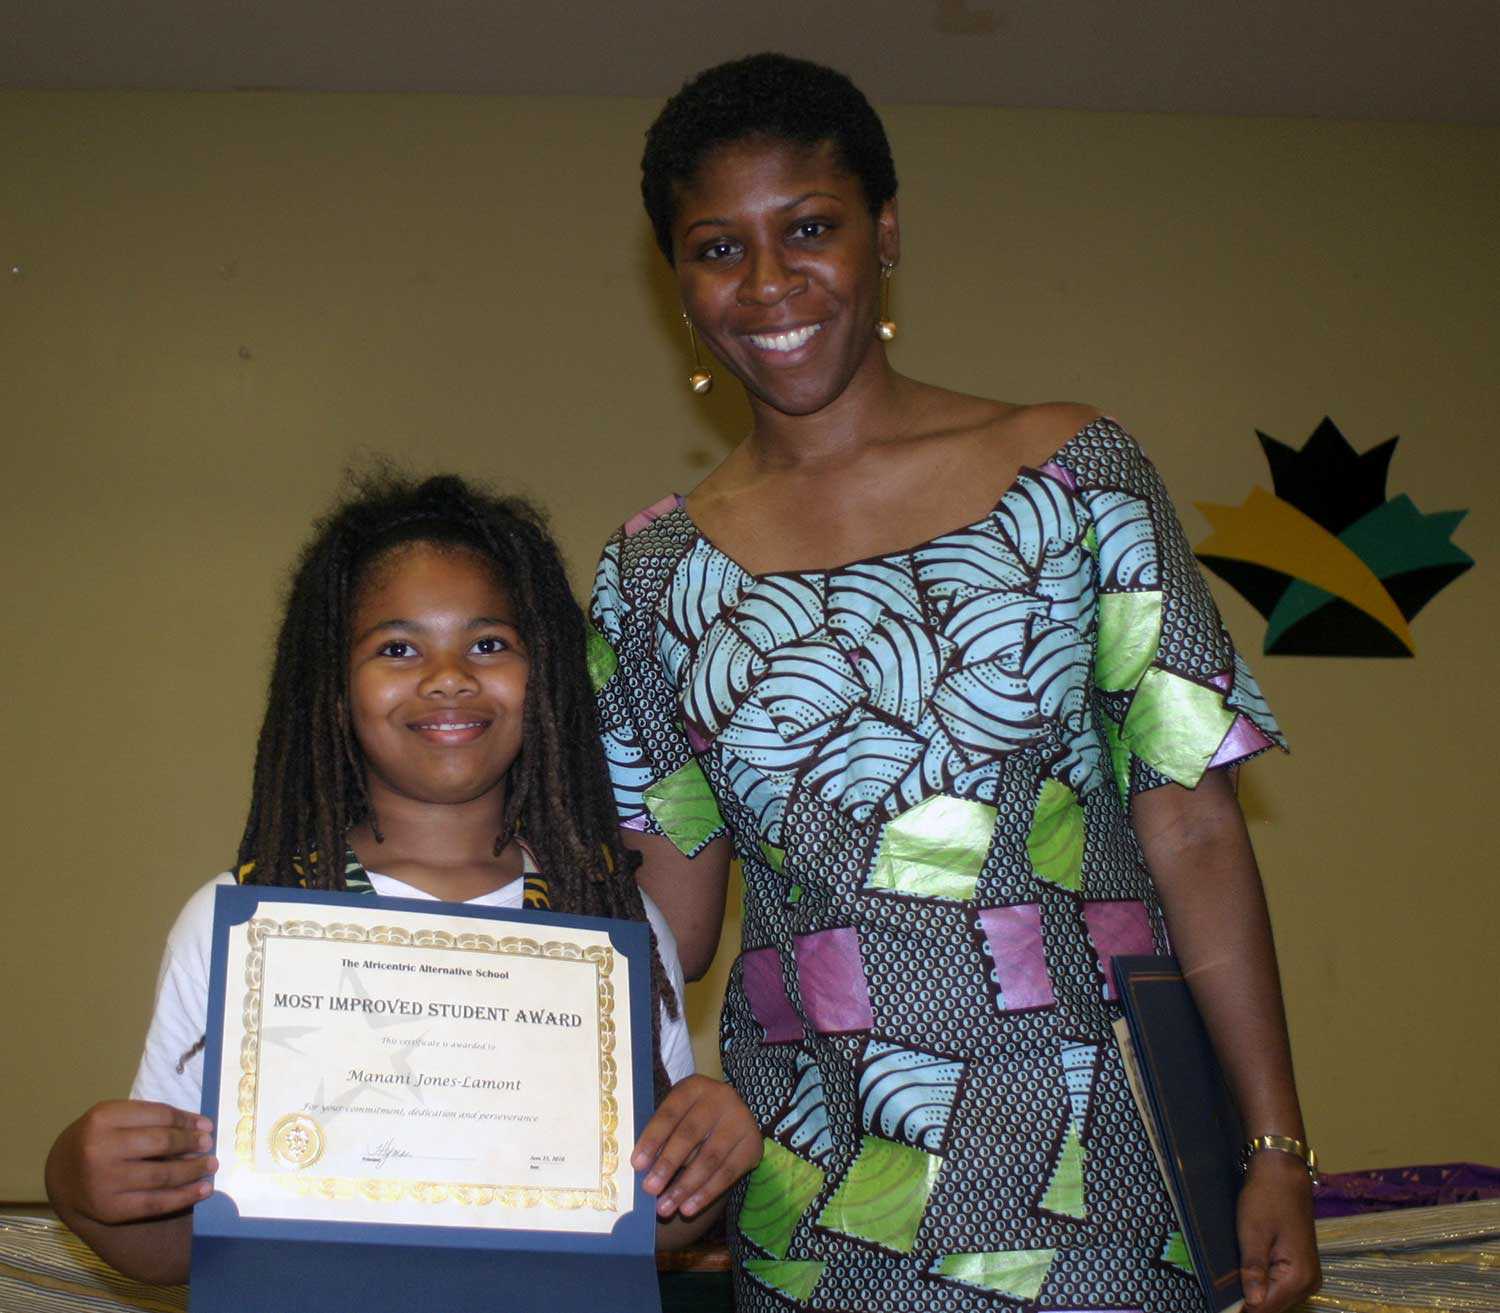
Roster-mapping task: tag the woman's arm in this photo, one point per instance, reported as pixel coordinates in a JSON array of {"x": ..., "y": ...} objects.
[
  {"x": 1200, "y": 858},
  {"x": 689, "y": 891}
]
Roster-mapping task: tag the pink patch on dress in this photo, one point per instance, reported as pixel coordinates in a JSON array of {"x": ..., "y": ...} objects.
[
  {"x": 1244, "y": 739},
  {"x": 1014, "y": 935},
  {"x": 655, "y": 511},
  {"x": 1065, "y": 477},
  {"x": 760, "y": 972},
  {"x": 696, "y": 741},
  {"x": 635, "y": 822},
  {"x": 1223, "y": 681},
  {"x": 831, "y": 980},
  {"x": 1118, "y": 930}
]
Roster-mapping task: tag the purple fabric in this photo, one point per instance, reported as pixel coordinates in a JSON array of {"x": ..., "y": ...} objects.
[
  {"x": 700, "y": 744},
  {"x": 1345, "y": 1193},
  {"x": 635, "y": 822},
  {"x": 764, "y": 987},
  {"x": 831, "y": 979},
  {"x": 1243, "y": 740},
  {"x": 1117, "y": 930},
  {"x": 1064, "y": 477},
  {"x": 1015, "y": 939},
  {"x": 655, "y": 511}
]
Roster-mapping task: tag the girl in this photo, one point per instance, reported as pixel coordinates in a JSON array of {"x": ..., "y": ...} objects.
[{"x": 430, "y": 705}]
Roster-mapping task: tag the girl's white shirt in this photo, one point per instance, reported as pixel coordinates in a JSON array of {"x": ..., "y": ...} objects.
[{"x": 180, "y": 1013}]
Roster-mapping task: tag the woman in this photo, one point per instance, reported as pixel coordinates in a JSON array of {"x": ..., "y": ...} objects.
[{"x": 943, "y": 674}]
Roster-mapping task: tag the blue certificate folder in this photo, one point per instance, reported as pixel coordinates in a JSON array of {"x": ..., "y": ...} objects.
[
  {"x": 1191, "y": 1116},
  {"x": 245, "y": 1264}
]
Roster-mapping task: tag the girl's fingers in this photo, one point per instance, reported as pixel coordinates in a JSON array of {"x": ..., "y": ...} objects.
[
  {"x": 720, "y": 1162},
  {"x": 124, "y": 1113},
  {"x": 164, "y": 1175},
  {"x": 158, "y": 1203},
  {"x": 679, "y": 1150},
  {"x": 162, "y": 1142}
]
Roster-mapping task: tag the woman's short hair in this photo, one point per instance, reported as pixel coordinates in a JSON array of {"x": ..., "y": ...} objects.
[{"x": 771, "y": 96}]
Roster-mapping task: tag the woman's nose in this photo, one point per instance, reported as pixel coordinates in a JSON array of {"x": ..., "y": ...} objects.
[{"x": 767, "y": 279}]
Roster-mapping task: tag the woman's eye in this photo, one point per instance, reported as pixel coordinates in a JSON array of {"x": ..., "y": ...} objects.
[
  {"x": 491, "y": 646},
  {"x": 812, "y": 228},
  {"x": 717, "y": 251}
]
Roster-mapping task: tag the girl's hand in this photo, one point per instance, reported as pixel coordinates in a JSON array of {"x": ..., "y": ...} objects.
[
  {"x": 700, "y": 1142},
  {"x": 128, "y": 1161},
  {"x": 1278, "y": 1247}
]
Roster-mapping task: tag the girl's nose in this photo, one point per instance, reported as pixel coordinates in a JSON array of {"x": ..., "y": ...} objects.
[{"x": 449, "y": 676}]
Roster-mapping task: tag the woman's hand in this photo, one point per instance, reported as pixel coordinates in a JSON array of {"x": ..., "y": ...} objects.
[
  {"x": 129, "y": 1161},
  {"x": 1278, "y": 1247},
  {"x": 700, "y": 1142}
]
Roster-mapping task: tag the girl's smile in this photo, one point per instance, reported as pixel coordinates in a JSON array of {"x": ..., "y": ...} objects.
[{"x": 437, "y": 678}]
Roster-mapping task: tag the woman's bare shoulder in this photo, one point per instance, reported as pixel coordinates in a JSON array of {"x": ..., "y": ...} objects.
[{"x": 1033, "y": 433}]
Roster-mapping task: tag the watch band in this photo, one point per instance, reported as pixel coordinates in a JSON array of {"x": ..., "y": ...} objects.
[{"x": 1282, "y": 1144}]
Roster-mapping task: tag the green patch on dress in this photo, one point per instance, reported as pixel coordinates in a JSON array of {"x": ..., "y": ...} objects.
[
  {"x": 601, "y": 658},
  {"x": 683, "y": 805},
  {"x": 883, "y": 1197},
  {"x": 1129, "y": 635},
  {"x": 1055, "y": 843},
  {"x": 935, "y": 849},
  {"x": 794, "y": 895},
  {"x": 775, "y": 857},
  {"x": 1175, "y": 1252},
  {"x": 1091, "y": 540},
  {"x": 1017, "y": 1273},
  {"x": 780, "y": 1189},
  {"x": 1064, "y": 1194},
  {"x": 794, "y": 1278},
  {"x": 1176, "y": 725}
]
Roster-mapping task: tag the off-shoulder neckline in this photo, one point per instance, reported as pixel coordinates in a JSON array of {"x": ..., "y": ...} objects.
[{"x": 877, "y": 558}]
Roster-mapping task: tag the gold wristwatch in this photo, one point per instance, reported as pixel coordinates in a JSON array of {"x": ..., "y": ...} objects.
[{"x": 1282, "y": 1144}]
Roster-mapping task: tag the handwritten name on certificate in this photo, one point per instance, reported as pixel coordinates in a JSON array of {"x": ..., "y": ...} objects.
[{"x": 415, "y": 1067}]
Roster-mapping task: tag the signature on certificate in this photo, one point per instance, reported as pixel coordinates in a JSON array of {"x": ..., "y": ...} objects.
[
  {"x": 383, "y": 1152},
  {"x": 386, "y": 1151}
]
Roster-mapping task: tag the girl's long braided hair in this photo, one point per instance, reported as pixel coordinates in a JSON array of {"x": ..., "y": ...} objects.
[{"x": 309, "y": 787}]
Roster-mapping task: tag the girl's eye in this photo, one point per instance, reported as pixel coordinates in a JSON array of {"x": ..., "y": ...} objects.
[
  {"x": 491, "y": 645},
  {"x": 397, "y": 647}
]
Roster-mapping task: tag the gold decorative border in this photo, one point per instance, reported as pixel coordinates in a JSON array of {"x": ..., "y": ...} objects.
[{"x": 605, "y": 1198}]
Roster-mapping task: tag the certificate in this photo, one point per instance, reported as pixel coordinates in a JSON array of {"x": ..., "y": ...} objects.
[{"x": 405, "y": 1073}]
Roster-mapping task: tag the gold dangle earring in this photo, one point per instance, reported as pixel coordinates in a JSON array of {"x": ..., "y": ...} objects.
[
  {"x": 885, "y": 326},
  {"x": 700, "y": 380}
]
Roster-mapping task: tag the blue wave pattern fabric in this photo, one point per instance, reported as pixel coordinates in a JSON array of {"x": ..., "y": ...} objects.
[{"x": 925, "y": 761}]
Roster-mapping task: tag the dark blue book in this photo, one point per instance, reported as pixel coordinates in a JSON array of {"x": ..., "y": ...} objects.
[{"x": 1190, "y": 1117}]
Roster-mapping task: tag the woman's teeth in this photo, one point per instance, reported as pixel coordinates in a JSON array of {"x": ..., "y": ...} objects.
[{"x": 784, "y": 341}]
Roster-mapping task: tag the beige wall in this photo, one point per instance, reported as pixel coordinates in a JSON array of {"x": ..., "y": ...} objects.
[{"x": 224, "y": 299}]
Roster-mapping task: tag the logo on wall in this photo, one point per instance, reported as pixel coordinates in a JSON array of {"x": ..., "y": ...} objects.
[{"x": 1336, "y": 567}]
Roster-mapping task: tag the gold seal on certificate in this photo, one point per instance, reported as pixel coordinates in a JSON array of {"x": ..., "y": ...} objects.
[
  {"x": 391, "y": 1065},
  {"x": 296, "y": 1140}
]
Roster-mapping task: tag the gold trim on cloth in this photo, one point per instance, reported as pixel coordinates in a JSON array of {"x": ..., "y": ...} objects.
[{"x": 297, "y": 1141}]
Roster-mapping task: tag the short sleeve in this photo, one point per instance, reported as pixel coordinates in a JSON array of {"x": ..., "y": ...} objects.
[
  {"x": 1173, "y": 696},
  {"x": 171, "y": 1069},
  {"x": 658, "y": 782}
]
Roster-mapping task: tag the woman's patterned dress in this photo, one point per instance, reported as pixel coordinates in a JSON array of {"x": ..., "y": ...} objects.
[{"x": 925, "y": 761}]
